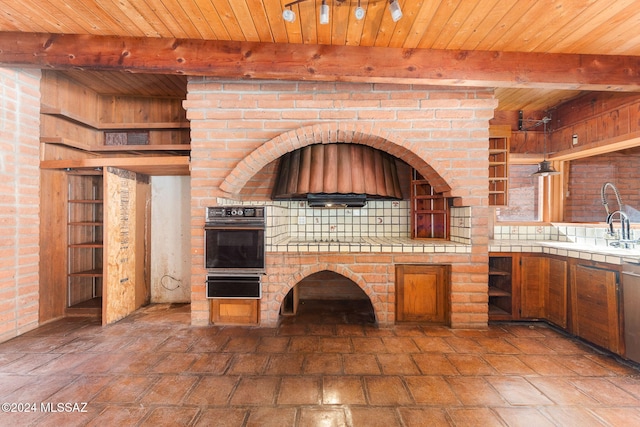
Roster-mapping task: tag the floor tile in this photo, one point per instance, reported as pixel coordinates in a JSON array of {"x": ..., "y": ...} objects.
[
  {"x": 431, "y": 390},
  {"x": 300, "y": 391},
  {"x": 329, "y": 417},
  {"x": 518, "y": 391},
  {"x": 361, "y": 364},
  {"x": 323, "y": 363},
  {"x": 473, "y": 417},
  {"x": 475, "y": 391},
  {"x": 170, "y": 417},
  {"x": 387, "y": 390},
  {"x": 523, "y": 417},
  {"x": 432, "y": 417},
  {"x": 154, "y": 368},
  {"x": 256, "y": 391},
  {"x": 341, "y": 390},
  {"x": 222, "y": 417},
  {"x": 374, "y": 417}
]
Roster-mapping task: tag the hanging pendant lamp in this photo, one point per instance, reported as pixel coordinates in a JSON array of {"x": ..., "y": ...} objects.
[{"x": 545, "y": 168}]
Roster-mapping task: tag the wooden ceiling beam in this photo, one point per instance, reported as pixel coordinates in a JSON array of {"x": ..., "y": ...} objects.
[{"x": 248, "y": 60}]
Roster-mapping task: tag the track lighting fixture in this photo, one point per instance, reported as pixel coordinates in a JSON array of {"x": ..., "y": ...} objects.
[
  {"x": 394, "y": 9},
  {"x": 359, "y": 12},
  {"x": 290, "y": 16},
  {"x": 324, "y": 13}
]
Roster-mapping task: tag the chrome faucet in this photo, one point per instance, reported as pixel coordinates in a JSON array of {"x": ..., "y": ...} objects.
[
  {"x": 625, "y": 229},
  {"x": 624, "y": 240},
  {"x": 604, "y": 198}
]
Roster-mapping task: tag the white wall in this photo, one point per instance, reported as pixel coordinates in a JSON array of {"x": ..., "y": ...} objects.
[{"x": 170, "y": 239}]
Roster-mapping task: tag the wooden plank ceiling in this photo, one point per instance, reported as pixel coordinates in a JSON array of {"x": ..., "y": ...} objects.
[{"x": 590, "y": 27}]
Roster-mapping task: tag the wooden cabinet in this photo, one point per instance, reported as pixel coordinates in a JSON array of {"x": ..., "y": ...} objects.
[
  {"x": 430, "y": 213},
  {"x": 234, "y": 311},
  {"x": 499, "y": 137},
  {"x": 503, "y": 286},
  {"x": 85, "y": 241},
  {"x": 422, "y": 293},
  {"x": 579, "y": 296},
  {"x": 543, "y": 288},
  {"x": 556, "y": 292},
  {"x": 595, "y": 314}
]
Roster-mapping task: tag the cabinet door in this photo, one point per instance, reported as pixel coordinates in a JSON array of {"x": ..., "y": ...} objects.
[
  {"x": 544, "y": 289},
  {"x": 555, "y": 295},
  {"x": 594, "y": 306},
  {"x": 234, "y": 311},
  {"x": 422, "y": 293},
  {"x": 532, "y": 285}
]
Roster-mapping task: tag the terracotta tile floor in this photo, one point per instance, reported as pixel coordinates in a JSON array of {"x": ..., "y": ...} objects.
[{"x": 317, "y": 369}]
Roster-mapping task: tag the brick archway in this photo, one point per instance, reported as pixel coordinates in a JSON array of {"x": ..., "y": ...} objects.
[
  {"x": 330, "y": 133},
  {"x": 381, "y": 310}
]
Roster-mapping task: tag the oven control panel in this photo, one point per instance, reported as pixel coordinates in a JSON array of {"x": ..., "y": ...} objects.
[{"x": 214, "y": 213}]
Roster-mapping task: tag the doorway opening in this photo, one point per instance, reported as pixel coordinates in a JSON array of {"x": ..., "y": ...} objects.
[{"x": 329, "y": 298}]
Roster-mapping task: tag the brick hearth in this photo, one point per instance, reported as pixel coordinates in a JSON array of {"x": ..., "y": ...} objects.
[{"x": 240, "y": 129}]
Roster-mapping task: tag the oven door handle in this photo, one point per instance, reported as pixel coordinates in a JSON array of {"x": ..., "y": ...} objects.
[{"x": 234, "y": 227}]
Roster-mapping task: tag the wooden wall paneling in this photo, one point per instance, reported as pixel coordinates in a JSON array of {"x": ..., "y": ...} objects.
[
  {"x": 56, "y": 127},
  {"x": 61, "y": 92},
  {"x": 53, "y": 245},
  {"x": 133, "y": 109}
]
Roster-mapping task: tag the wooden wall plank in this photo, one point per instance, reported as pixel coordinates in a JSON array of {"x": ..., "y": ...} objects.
[{"x": 53, "y": 245}]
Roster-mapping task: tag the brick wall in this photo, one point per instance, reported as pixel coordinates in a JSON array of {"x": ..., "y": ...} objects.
[
  {"x": 19, "y": 200},
  {"x": 586, "y": 178},
  {"x": 240, "y": 128}
]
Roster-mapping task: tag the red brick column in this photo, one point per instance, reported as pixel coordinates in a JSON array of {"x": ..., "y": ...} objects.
[{"x": 19, "y": 200}]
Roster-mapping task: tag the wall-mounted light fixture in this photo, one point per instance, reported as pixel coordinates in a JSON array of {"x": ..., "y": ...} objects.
[{"x": 290, "y": 16}]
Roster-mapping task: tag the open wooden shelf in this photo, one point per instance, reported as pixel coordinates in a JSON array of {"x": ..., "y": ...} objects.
[{"x": 69, "y": 116}]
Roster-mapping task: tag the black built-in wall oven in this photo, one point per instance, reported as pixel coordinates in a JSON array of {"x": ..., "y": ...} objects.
[{"x": 234, "y": 251}]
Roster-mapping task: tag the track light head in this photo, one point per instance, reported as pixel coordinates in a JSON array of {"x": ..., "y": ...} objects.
[
  {"x": 394, "y": 9},
  {"x": 324, "y": 13},
  {"x": 288, "y": 15}
]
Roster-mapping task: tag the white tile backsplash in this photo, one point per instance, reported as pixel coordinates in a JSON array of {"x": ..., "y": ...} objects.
[{"x": 379, "y": 218}]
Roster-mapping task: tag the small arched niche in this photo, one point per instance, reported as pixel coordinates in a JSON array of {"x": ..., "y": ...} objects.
[{"x": 327, "y": 297}]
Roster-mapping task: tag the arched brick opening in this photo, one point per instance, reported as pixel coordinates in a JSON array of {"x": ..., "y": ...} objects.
[
  {"x": 379, "y": 308},
  {"x": 327, "y": 297},
  {"x": 331, "y": 133}
]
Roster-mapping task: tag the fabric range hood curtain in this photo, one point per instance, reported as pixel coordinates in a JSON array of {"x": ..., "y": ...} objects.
[{"x": 338, "y": 174}]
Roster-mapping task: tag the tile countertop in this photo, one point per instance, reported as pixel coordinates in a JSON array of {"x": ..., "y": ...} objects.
[
  {"x": 599, "y": 253},
  {"x": 370, "y": 244}
]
